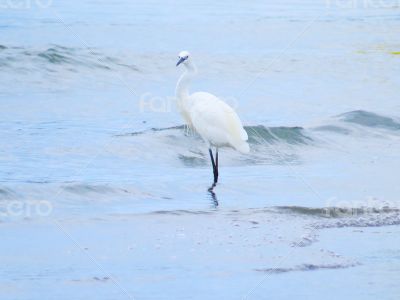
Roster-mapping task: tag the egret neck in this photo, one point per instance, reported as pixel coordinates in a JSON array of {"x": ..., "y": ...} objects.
[{"x": 182, "y": 90}]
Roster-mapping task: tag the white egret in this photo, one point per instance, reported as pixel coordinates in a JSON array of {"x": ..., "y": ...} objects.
[{"x": 214, "y": 120}]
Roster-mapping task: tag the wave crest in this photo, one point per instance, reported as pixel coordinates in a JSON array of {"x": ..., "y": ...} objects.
[{"x": 369, "y": 119}]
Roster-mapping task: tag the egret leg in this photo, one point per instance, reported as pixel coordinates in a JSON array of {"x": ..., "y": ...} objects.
[
  {"x": 216, "y": 162},
  {"x": 215, "y": 170}
]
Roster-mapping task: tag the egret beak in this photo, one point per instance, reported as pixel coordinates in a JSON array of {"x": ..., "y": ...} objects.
[{"x": 181, "y": 60}]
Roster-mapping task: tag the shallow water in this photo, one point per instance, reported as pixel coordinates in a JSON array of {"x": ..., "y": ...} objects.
[{"x": 90, "y": 138}]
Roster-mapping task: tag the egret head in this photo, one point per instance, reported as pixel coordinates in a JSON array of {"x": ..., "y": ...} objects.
[{"x": 183, "y": 57}]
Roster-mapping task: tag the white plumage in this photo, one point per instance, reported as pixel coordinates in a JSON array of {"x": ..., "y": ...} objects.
[
  {"x": 214, "y": 120},
  {"x": 217, "y": 122}
]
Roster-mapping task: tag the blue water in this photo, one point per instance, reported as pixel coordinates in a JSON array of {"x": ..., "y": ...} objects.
[{"x": 89, "y": 127}]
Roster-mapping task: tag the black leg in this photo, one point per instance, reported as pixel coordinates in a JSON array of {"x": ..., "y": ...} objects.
[
  {"x": 212, "y": 157},
  {"x": 216, "y": 162},
  {"x": 215, "y": 169}
]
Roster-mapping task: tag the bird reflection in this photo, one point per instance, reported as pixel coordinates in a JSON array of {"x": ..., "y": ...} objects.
[{"x": 213, "y": 195}]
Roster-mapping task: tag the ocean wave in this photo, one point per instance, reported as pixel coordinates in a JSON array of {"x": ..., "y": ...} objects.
[
  {"x": 367, "y": 220},
  {"x": 258, "y": 134},
  {"x": 337, "y": 212},
  {"x": 338, "y": 217},
  {"x": 56, "y": 58},
  {"x": 180, "y": 212},
  {"x": 87, "y": 189},
  {"x": 370, "y": 119},
  {"x": 269, "y": 145},
  {"x": 359, "y": 123},
  {"x": 295, "y": 135},
  {"x": 308, "y": 267},
  {"x": 333, "y": 128},
  {"x": 291, "y": 135}
]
